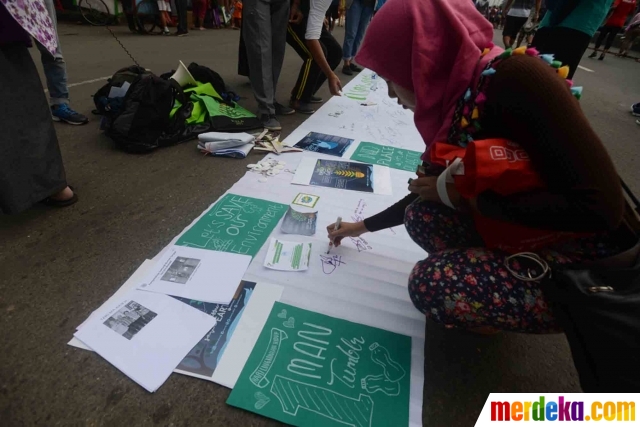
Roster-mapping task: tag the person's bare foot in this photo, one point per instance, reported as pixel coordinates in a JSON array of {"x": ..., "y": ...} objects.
[{"x": 65, "y": 194}]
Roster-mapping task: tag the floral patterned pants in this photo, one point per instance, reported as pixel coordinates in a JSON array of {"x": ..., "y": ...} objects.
[{"x": 465, "y": 285}]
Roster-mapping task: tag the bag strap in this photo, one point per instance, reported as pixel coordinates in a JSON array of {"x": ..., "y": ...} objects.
[{"x": 446, "y": 177}]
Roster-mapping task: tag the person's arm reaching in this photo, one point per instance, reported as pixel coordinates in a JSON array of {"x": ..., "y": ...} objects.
[
  {"x": 506, "y": 8},
  {"x": 534, "y": 108},
  {"x": 390, "y": 217},
  {"x": 538, "y": 6},
  {"x": 315, "y": 22}
]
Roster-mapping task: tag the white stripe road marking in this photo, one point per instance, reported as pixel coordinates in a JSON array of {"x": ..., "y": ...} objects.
[
  {"x": 99, "y": 79},
  {"x": 586, "y": 69}
]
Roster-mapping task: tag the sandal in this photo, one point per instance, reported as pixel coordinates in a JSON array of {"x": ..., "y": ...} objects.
[{"x": 61, "y": 203}]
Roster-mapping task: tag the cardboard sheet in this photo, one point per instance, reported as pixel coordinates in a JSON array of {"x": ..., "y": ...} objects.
[
  {"x": 308, "y": 369},
  {"x": 246, "y": 333}
]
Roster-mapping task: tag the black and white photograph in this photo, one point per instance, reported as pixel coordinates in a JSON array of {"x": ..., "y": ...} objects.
[
  {"x": 130, "y": 319},
  {"x": 180, "y": 270}
]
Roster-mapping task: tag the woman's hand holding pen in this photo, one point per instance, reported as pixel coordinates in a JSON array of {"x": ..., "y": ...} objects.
[{"x": 347, "y": 229}]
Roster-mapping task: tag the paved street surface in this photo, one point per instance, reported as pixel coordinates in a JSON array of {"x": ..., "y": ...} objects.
[{"x": 56, "y": 266}]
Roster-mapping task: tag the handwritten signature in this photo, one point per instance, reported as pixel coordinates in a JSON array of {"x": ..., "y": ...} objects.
[
  {"x": 330, "y": 263},
  {"x": 361, "y": 244}
]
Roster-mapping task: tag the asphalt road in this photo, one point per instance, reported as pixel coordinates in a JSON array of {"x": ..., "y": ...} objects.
[{"x": 56, "y": 266}]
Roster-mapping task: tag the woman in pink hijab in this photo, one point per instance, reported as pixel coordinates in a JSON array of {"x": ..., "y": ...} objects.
[{"x": 438, "y": 61}]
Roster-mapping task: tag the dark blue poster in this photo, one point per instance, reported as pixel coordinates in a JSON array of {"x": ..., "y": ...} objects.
[
  {"x": 325, "y": 144},
  {"x": 204, "y": 357}
]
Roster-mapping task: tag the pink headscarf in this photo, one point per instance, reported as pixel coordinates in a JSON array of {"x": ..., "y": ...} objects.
[{"x": 433, "y": 48}]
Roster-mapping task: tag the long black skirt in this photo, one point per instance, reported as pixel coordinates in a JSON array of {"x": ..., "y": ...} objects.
[{"x": 30, "y": 161}]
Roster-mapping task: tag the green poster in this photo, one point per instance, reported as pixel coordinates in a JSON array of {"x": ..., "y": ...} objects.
[
  {"x": 397, "y": 158},
  {"x": 308, "y": 369},
  {"x": 234, "y": 224}
]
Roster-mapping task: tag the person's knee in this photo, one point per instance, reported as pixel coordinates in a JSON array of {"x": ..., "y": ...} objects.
[{"x": 427, "y": 289}]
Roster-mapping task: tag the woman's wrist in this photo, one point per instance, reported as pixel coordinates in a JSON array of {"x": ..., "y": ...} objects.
[{"x": 362, "y": 227}]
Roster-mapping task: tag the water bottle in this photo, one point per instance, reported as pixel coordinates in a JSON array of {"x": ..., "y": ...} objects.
[{"x": 374, "y": 81}]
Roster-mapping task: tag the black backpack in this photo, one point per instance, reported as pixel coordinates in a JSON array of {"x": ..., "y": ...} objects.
[
  {"x": 108, "y": 106},
  {"x": 205, "y": 74},
  {"x": 145, "y": 114}
]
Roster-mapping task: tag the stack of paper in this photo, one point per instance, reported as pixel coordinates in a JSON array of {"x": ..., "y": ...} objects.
[
  {"x": 226, "y": 144},
  {"x": 145, "y": 335}
]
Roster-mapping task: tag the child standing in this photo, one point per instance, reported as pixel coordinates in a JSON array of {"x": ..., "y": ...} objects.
[
  {"x": 164, "y": 7},
  {"x": 236, "y": 20}
]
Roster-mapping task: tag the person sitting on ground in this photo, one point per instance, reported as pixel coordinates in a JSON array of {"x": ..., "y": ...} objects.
[
  {"x": 320, "y": 51},
  {"x": 432, "y": 53},
  {"x": 631, "y": 34},
  {"x": 31, "y": 168},
  {"x": 612, "y": 26}
]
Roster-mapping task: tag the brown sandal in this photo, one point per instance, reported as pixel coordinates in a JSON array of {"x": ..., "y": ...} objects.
[{"x": 49, "y": 201}]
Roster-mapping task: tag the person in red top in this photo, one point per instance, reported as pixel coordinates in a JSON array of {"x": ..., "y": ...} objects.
[{"x": 616, "y": 19}]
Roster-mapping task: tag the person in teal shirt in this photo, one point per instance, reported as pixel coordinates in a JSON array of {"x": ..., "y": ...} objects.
[{"x": 567, "y": 29}]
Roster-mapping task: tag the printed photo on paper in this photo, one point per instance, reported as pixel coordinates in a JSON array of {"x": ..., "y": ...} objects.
[
  {"x": 180, "y": 270},
  {"x": 130, "y": 319}
]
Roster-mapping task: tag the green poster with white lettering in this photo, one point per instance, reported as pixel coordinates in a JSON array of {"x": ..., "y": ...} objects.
[
  {"x": 308, "y": 369},
  {"x": 235, "y": 224},
  {"x": 396, "y": 158}
]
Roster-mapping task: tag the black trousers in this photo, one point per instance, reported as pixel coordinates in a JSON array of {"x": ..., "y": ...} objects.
[
  {"x": 181, "y": 10},
  {"x": 610, "y": 33},
  {"x": 566, "y": 44},
  {"x": 311, "y": 78}
]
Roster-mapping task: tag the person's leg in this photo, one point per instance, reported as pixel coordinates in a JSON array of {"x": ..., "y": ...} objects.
[
  {"x": 613, "y": 32},
  {"x": 181, "y": 10},
  {"x": 351, "y": 29},
  {"x": 626, "y": 43},
  {"x": 300, "y": 95},
  {"x": 436, "y": 227},
  {"x": 471, "y": 288},
  {"x": 566, "y": 44},
  {"x": 279, "y": 22},
  {"x": 202, "y": 13},
  {"x": 365, "y": 18},
  {"x": 519, "y": 39},
  {"x": 31, "y": 167},
  {"x": 507, "y": 32},
  {"x": 601, "y": 36},
  {"x": 256, "y": 33},
  {"x": 195, "y": 10},
  {"x": 55, "y": 71}
]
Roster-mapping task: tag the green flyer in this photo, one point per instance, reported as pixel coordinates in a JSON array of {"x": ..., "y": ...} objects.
[
  {"x": 234, "y": 224},
  {"x": 396, "y": 158},
  {"x": 308, "y": 369}
]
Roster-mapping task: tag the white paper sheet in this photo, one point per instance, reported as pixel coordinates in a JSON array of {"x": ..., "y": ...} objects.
[
  {"x": 131, "y": 282},
  {"x": 145, "y": 335},
  {"x": 246, "y": 334},
  {"x": 118, "y": 92},
  {"x": 198, "y": 274},
  {"x": 287, "y": 256}
]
